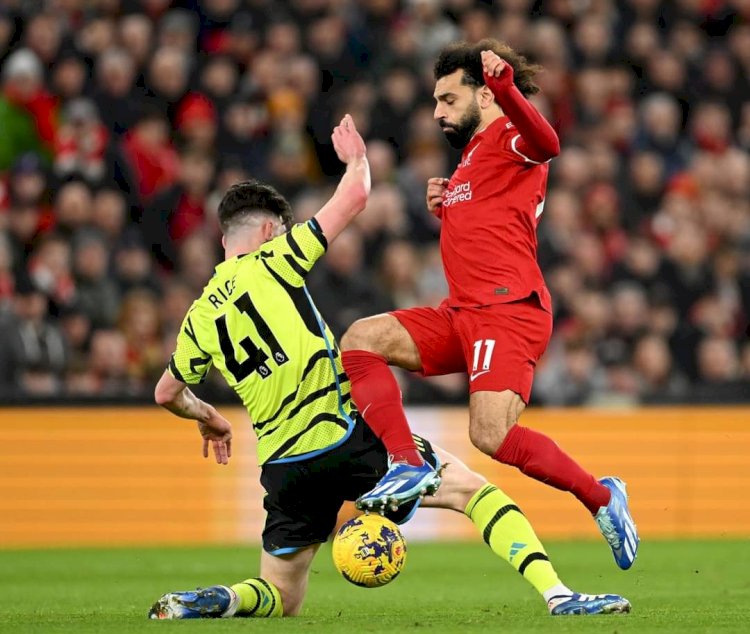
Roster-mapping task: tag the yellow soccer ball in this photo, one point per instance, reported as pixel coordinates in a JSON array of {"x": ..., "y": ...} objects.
[{"x": 369, "y": 551}]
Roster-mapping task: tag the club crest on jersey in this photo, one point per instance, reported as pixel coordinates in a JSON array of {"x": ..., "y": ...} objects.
[
  {"x": 458, "y": 194},
  {"x": 467, "y": 161}
]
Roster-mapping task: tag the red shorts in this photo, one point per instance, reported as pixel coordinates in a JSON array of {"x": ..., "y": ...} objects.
[{"x": 497, "y": 346}]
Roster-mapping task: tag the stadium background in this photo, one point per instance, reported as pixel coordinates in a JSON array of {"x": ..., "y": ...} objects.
[{"x": 122, "y": 121}]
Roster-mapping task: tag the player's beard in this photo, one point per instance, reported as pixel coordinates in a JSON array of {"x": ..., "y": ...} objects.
[{"x": 460, "y": 134}]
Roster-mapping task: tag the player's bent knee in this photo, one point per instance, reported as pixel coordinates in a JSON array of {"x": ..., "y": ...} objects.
[
  {"x": 361, "y": 335},
  {"x": 487, "y": 438},
  {"x": 492, "y": 416}
]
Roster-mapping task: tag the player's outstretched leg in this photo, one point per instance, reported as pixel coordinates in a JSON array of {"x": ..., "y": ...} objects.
[
  {"x": 493, "y": 424},
  {"x": 509, "y": 535},
  {"x": 616, "y": 524},
  {"x": 252, "y": 597},
  {"x": 402, "y": 483}
]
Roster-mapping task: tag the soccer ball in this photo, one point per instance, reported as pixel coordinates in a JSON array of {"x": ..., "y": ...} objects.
[{"x": 369, "y": 551}]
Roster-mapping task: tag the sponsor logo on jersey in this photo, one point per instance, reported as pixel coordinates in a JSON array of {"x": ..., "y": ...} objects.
[{"x": 458, "y": 194}]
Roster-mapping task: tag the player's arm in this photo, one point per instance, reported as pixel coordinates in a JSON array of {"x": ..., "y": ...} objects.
[
  {"x": 351, "y": 194},
  {"x": 538, "y": 141},
  {"x": 175, "y": 396}
]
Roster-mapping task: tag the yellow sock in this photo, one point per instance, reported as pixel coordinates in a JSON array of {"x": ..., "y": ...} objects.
[
  {"x": 509, "y": 534},
  {"x": 259, "y": 598}
]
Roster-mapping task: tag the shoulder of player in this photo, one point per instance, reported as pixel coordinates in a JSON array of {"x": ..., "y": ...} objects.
[{"x": 496, "y": 138}]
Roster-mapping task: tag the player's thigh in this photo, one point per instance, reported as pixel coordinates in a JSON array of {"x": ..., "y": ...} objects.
[
  {"x": 289, "y": 573},
  {"x": 502, "y": 344},
  {"x": 300, "y": 503},
  {"x": 435, "y": 339},
  {"x": 384, "y": 335},
  {"x": 459, "y": 483}
]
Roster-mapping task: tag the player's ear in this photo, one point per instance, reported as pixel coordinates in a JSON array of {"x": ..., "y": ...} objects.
[
  {"x": 485, "y": 97},
  {"x": 269, "y": 230},
  {"x": 223, "y": 242}
]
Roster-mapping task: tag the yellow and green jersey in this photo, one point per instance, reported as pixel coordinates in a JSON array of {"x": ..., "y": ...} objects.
[{"x": 256, "y": 322}]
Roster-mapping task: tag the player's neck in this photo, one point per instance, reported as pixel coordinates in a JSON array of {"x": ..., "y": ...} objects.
[
  {"x": 488, "y": 119},
  {"x": 241, "y": 247}
]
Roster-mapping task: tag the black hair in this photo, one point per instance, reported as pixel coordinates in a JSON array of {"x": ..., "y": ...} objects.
[
  {"x": 468, "y": 57},
  {"x": 252, "y": 196}
]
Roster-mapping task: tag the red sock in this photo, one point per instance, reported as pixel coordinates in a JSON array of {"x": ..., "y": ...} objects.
[
  {"x": 539, "y": 457},
  {"x": 378, "y": 397}
]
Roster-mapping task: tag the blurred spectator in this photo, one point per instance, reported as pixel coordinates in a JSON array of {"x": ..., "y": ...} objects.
[
  {"x": 134, "y": 267},
  {"x": 27, "y": 110},
  {"x": 139, "y": 321},
  {"x": 33, "y": 358},
  {"x": 342, "y": 289},
  {"x": 570, "y": 375},
  {"x": 116, "y": 94},
  {"x": 106, "y": 372},
  {"x": 96, "y": 292},
  {"x": 149, "y": 154},
  {"x": 181, "y": 210},
  {"x": 719, "y": 371},
  {"x": 399, "y": 273},
  {"x": 659, "y": 380},
  {"x": 50, "y": 269},
  {"x": 81, "y": 143},
  {"x": 197, "y": 256}
]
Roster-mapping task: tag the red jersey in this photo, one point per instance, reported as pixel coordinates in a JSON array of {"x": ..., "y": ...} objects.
[{"x": 489, "y": 214}]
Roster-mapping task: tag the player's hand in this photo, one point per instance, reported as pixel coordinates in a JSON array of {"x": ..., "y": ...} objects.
[
  {"x": 435, "y": 190},
  {"x": 216, "y": 430},
  {"x": 347, "y": 141},
  {"x": 496, "y": 70}
]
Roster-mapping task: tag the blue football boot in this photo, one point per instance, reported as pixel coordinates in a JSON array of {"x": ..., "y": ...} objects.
[
  {"x": 401, "y": 483},
  {"x": 616, "y": 524},
  {"x": 588, "y": 604},
  {"x": 204, "y": 603}
]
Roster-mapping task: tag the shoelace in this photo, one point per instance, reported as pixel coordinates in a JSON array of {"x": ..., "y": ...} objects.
[{"x": 609, "y": 531}]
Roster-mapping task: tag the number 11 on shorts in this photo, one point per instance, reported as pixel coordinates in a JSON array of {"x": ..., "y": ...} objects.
[{"x": 486, "y": 358}]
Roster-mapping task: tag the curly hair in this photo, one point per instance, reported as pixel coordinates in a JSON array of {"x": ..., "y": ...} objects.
[
  {"x": 252, "y": 196},
  {"x": 467, "y": 56}
]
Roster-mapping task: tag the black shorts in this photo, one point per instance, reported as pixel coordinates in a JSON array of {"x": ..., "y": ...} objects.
[{"x": 303, "y": 498}]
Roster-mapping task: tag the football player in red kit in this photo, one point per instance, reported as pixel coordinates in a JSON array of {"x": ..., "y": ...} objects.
[{"x": 497, "y": 320}]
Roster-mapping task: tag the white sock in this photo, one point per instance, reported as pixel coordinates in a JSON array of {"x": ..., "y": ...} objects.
[
  {"x": 234, "y": 604},
  {"x": 560, "y": 590}
]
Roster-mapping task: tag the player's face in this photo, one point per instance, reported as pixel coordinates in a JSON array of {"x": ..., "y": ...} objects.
[{"x": 457, "y": 111}]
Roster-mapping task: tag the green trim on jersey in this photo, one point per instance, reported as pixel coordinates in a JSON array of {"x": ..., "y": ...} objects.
[{"x": 255, "y": 322}]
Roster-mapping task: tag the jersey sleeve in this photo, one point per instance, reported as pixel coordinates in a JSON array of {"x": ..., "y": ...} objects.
[
  {"x": 292, "y": 255},
  {"x": 515, "y": 147},
  {"x": 189, "y": 363}
]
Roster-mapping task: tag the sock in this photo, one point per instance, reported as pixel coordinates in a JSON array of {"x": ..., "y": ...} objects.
[
  {"x": 540, "y": 457},
  {"x": 560, "y": 590},
  {"x": 378, "y": 397},
  {"x": 510, "y": 536},
  {"x": 258, "y": 598}
]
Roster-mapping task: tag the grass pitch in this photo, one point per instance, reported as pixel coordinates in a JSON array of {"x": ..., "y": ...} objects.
[{"x": 686, "y": 586}]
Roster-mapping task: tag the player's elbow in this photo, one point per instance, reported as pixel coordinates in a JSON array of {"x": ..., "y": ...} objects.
[
  {"x": 545, "y": 152},
  {"x": 554, "y": 148},
  {"x": 163, "y": 394}
]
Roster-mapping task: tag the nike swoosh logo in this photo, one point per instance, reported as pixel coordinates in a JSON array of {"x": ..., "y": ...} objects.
[
  {"x": 364, "y": 411},
  {"x": 476, "y": 375}
]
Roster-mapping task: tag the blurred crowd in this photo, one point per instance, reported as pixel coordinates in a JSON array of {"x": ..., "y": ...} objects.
[{"x": 123, "y": 121}]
